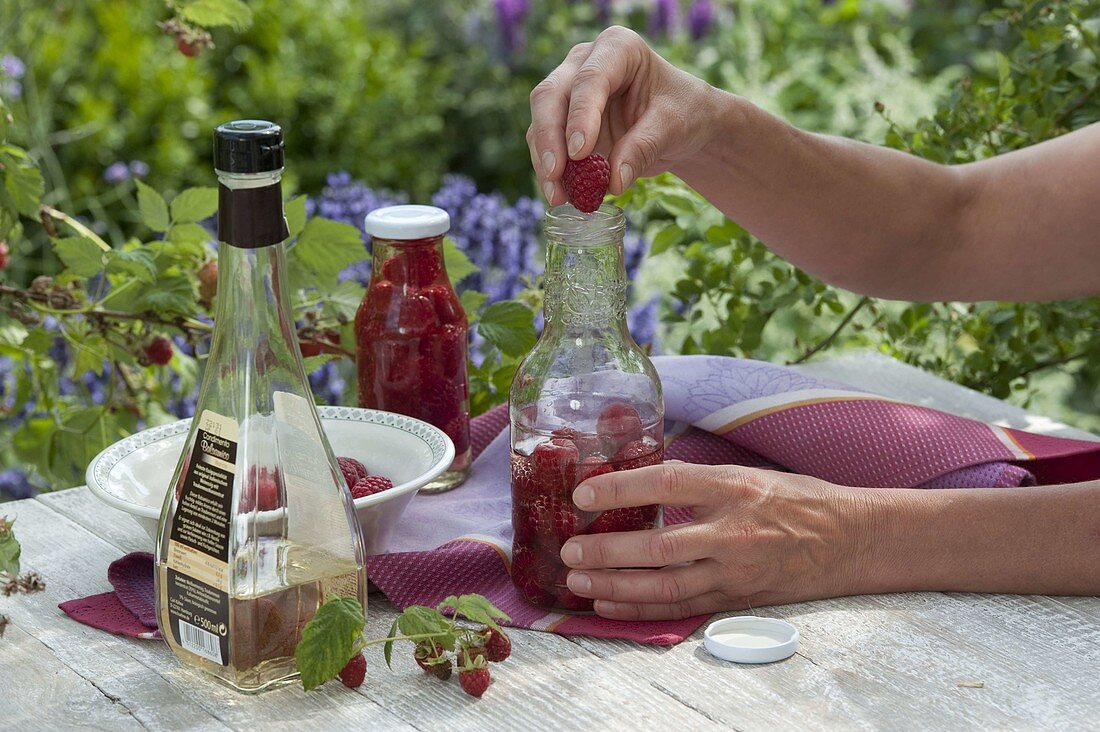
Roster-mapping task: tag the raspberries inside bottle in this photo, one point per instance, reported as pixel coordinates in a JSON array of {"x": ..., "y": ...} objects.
[
  {"x": 586, "y": 401},
  {"x": 411, "y": 331}
]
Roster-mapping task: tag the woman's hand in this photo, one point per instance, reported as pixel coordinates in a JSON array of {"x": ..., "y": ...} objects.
[
  {"x": 758, "y": 538},
  {"x": 617, "y": 97}
]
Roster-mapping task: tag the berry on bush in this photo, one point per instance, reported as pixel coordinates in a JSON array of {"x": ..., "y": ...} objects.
[
  {"x": 158, "y": 350},
  {"x": 208, "y": 282},
  {"x": 4, "y": 254}
]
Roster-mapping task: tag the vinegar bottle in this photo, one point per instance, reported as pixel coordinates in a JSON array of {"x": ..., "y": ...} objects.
[{"x": 258, "y": 529}]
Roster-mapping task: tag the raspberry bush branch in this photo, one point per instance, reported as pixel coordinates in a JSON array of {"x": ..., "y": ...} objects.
[{"x": 332, "y": 642}]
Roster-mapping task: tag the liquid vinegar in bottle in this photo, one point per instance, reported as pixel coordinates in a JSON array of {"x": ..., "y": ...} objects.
[{"x": 258, "y": 528}]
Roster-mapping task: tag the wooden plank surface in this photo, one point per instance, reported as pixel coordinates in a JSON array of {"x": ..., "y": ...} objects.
[{"x": 911, "y": 661}]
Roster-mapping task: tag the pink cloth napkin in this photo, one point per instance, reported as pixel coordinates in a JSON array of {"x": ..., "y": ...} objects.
[{"x": 720, "y": 411}]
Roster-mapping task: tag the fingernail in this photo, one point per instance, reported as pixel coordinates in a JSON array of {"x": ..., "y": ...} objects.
[
  {"x": 579, "y": 582},
  {"x": 548, "y": 190},
  {"x": 571, "y": 553},
  {"x": 626, "y": 174},
  {"x": 576, "y": 142},
  {"x": 584, "y": 496},
  {"x": 548, "y": 162}
]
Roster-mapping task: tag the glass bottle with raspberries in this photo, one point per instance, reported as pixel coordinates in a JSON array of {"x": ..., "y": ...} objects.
[
  {"x": 411, "y": 331},
  {"x": 585, "y": 401}
]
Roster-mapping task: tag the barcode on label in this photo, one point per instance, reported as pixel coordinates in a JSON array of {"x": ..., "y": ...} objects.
[{"x": 201, "y": 642}]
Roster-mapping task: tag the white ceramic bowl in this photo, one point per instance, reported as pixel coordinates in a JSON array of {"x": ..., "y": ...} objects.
[{"x": 133, "y": 474}]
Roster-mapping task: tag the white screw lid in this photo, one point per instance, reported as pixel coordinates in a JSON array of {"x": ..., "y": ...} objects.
[
  {"x": 407, "y": 222},
  {"x": 749, "y": 639}
]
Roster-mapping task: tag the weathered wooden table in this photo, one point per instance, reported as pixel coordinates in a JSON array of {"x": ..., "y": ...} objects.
[{"x": 914, "y": 661}]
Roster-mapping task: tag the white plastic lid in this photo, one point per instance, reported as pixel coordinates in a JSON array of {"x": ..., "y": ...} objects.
[
  {"x": 749, "y": 639},
  {"x": 407, "y": 222}
]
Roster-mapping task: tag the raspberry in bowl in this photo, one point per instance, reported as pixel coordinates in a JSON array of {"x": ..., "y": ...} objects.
[{"x": 132, "y": 474}]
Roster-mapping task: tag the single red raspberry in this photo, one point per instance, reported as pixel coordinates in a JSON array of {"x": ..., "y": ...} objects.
[
  {"x": 416, "y": 315},
  {"x": 188, "y": 48},
  {"x": 4, "y": 254},
  {"x": 556, "y": 463},
  {"x": 370, "y": 485},
  {"x": 474, "y": 681},
  {"x": 353, "y": 673},
  {"x": 586, "y": 182},
  {"x": 159, "y": 350},
  {"x": 432, "y": 658},
  {"x": 208, "y": 281},
  {"x": 586, "y": 444},
  {"x": 618, "y": 424},
  {"x": 637, "y": 454},
  {"x": 498, "y": 646},
  {"x": 533, "y": 576},
  {"x": 418, "y": 265},
  {"x": 634, "y": 518},
  {"x": 352, "y": 469},
  {"x": 447, "y": 305},
  {"x": 592, "y": 466}
]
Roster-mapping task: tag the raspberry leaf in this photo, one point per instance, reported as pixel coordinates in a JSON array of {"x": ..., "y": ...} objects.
[
  {"x": 329, "y": 640},
  {"x": 9, "y": 548},
  {"x": 194, "y": 204},
  {"x": 212, "y": 13},
  {"x": 387, "y": 650},
  {"x": 459, "y": 266},
  {"x": 420, "y": 620},
  {"x": 82, "y": 256},
  {"x": 476, "y": 608},
  {"x": 510, "y": 326},
  {"x": 152, "y": 208}
]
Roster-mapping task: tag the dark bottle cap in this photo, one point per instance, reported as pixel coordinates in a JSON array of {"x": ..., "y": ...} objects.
[{"x": 248, "y": 146}]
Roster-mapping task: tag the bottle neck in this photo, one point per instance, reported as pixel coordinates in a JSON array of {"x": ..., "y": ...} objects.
[
  {"x": 585, "y": 286},
  {"x": 250, "y": 209},
  {"x": 253, "y": 311}
]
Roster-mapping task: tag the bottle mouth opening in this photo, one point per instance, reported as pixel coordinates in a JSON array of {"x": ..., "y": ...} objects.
[{"x": 568, "y": 225}]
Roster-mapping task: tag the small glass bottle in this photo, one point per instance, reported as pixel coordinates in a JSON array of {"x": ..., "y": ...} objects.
[
  {"x": 585, "y": 401},
  {"x": 411, "y": 331},
  {"x": 258, "y": 529}
]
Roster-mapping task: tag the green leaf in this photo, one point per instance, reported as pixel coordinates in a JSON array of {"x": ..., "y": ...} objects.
[
  {"x": 329, "y": 640},
  {"x": 387, "y": 650},
  {"x": 12, "y": 333},
  {"x": 508, "y": 325},
  {"x": 476, "y": 608},
  {"x": 666, "y": 238},
  {"x": 459, "y": 266},
  {"x": 136, "y": 262},
  {"x": 9, "y": 547},
  {"x": 325, "y": 248},
  {"x": 295, "y": 210},
  {"x": 194, "y": 204},
  {"x": 312, "y": 363},
  {"x": 152, "y": 208},
  {"x": 80, "y": 255},
  {"x": 189, "y": 240},
  {"x": 24, "y": 184},
  {"x": 170, "y": 295},
  {"x": 213, "y": 13},
  {"x": 342, "y": 301},
  {"x": 472, "y": 300},
  {"x": 91, "y": 352}
]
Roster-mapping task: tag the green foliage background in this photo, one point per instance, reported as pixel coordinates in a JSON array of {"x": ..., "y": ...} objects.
[{"x": 401, "y": 92}]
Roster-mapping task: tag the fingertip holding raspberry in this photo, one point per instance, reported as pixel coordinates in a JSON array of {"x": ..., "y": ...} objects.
[{"x": 586, "y": 181}]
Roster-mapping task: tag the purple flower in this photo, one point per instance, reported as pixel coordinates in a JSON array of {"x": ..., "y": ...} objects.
[
  {"x": 700, "y": 18},
  {"x": 14, "y": 483},
  {"x": 663, "y": 19},
  {"x": 116, "y": 172},
  {"x": 510, "y": 17},
  {"x": 12, "y": 66},
  {"x": 139, "y": 168}
]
